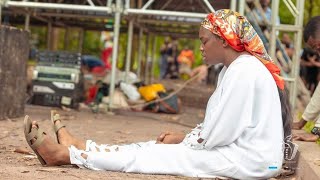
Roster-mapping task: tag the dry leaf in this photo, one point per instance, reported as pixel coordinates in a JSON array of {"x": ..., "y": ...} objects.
[
  {"x": 14, "y": 135},
  {"x": 22, "y": 150},
  {"x": 119, "y": 141},
  {"x": 175, "y": 118},
  {"x": 317, "y": 162},
  {"x": 28, "y": 157},
  {"x": 31, "y": 164},
  {"x": 124, "y": 132},
  {"x": 111, "y": 113},
  {"x": 48, "y": 169},
  {"x": 3, "y": 149}
]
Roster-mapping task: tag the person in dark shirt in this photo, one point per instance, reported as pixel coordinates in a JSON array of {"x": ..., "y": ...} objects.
[{"x": 309, "y": 63}]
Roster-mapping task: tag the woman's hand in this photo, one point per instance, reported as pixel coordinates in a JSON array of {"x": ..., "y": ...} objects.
[
  {"x": 305, "y": 137},
  {"x": 170, "y": 138},
  {"x": 202, "y": 71},
  {"x": 299, "y": 125}
]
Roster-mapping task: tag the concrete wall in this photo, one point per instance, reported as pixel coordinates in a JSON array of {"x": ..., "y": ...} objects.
[{"x": 14, "y": 52}]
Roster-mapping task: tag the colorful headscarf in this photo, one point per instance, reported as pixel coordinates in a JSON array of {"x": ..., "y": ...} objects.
[{"x": 241, "y": 36}]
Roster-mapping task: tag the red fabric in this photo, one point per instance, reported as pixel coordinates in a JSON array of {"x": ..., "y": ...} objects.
[
  {"x": 240, "y": 35},
  {"x": 275, "y": 71},
  {"x": 105, "y": 56},
  {"x": 91, "y": 94},
  {"x": 100, "y": 71}
]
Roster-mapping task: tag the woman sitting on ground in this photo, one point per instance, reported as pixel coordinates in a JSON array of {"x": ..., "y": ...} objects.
[{"x": 242, "y": 135}]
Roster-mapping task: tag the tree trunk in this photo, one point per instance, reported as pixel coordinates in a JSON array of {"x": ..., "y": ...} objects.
[{"x": 14, "y": 54}]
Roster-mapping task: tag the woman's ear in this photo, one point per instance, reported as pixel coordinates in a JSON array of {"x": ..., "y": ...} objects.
[{"x": 224, "y": 43}]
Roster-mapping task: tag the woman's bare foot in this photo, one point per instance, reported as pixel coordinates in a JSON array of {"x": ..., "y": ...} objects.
[
  {"x": 53, "y": 154},
  {"x": 66, "y": 139}
]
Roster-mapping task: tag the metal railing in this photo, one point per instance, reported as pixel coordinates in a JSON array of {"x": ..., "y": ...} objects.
[{"x": 118, "y": 8}]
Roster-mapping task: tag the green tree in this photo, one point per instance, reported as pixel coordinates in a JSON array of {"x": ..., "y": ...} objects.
[{"x": 311, "y": 8}]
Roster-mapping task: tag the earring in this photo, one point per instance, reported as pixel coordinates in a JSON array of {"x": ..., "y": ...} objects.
[{"x": 225, "y": 44}]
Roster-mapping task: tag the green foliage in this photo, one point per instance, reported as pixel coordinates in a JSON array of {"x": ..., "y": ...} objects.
[
  {"x": 285, "y": 15},
  {"x": 38, "y": 37},
  {"x": 123, "y": 38},
  {"x": 92, "y": 44},
  {"x": 73, "y": 39},
  {"x": 197, "y": 53},
  {"x": 311, "y": 8}
]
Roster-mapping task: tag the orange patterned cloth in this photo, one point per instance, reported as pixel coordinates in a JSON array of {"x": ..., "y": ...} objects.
[{"x": 241, "y": 36}]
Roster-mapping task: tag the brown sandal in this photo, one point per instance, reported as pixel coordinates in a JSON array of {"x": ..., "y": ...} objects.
[
  {"x": 55, "y": 117},
  {"x": 33, "y": 133}
]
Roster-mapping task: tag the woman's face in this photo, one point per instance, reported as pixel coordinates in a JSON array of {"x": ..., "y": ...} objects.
[
  {"x": 211, "y": 47},
  {"x": 314, "y": 44}
]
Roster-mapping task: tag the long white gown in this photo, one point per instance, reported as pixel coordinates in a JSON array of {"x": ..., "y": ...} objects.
[{"x": 242, "y": 132}]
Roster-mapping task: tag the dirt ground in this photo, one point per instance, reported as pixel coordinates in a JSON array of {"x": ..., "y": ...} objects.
[{"x": 119, "y": 128}]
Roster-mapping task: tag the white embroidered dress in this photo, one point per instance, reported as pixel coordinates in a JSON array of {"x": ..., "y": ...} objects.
[{"x": 242, "y": 134}]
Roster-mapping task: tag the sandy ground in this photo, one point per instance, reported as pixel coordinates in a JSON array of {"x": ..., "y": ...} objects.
[
  {"x": 122, "y": 127},
  {"x": 119, "y": 128}
]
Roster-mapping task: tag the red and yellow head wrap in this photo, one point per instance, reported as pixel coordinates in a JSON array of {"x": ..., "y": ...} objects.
[{"x": 240, "y": 35}]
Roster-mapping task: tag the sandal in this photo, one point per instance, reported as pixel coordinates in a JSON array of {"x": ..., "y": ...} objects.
[
  {"x": 55, "y": 117},
  {"x": 33, "y": 133}
]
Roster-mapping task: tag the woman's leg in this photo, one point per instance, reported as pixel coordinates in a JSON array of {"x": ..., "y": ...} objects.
[
  {"x": 55, "y": 154},
  {"x": 149, "y": 158},
  {"x": 67, "y": 139},
  {"x": 174, "y": 159}
]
